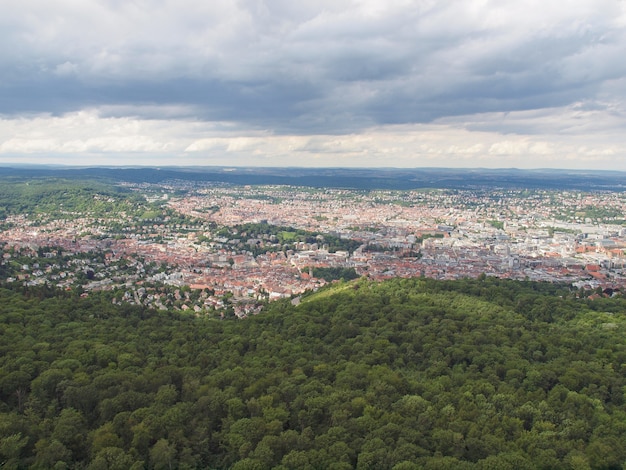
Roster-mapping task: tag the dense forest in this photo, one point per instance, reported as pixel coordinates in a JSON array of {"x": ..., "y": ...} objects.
[
  {"x": 59, "y": 197},
  {"x": 356, "y": 178},
  {"x": 405, "y": 374}
]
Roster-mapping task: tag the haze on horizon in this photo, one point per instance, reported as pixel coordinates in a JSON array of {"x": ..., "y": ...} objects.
[{"x": 362, "y": 83}]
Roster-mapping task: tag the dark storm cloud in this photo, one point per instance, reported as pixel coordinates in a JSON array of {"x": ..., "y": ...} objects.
[{"x": 331, "y": 67}]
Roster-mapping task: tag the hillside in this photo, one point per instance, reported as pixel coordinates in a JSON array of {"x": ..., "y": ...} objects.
[{"x": 403, "y": 374}]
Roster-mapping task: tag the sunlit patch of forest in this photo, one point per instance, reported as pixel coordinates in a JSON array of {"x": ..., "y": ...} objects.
[
  {"x": 64, "y": 198},
  {"x": 405, "y": 374}
]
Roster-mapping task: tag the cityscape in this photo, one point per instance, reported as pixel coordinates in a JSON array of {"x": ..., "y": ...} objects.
[{"x": 219, "y": 247}]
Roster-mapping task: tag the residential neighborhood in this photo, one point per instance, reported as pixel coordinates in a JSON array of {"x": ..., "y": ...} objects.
[{"x": 238, "y": 247}]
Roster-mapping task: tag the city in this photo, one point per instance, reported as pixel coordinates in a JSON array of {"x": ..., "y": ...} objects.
[{"x": 217, "y": 247}]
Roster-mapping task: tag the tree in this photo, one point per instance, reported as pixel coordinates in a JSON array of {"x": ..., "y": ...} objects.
[
  {"x": 51, "y": 454},
  {"x": 114, "y": 458},
  {"x": 10, "y": 450},
  {"x": 70, "y": 429},
  {"x": 162, "y": 455}
]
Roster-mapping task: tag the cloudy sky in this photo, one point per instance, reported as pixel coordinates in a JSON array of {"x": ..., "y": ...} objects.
[{"x": 335, "y": 83}]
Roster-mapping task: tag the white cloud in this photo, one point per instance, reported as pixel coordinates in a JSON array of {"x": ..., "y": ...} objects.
[{"x": 123, "y": 140}]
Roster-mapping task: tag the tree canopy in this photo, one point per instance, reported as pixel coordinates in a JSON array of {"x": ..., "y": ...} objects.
[{"x": 402, "y": 374}]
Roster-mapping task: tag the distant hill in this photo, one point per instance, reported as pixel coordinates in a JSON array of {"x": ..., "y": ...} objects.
[
  {"x": 405, "y": 374},
  {"x": 366, "y": 178}
]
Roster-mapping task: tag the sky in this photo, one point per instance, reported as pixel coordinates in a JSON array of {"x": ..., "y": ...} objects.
[{"x": 358, "y": 83}]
